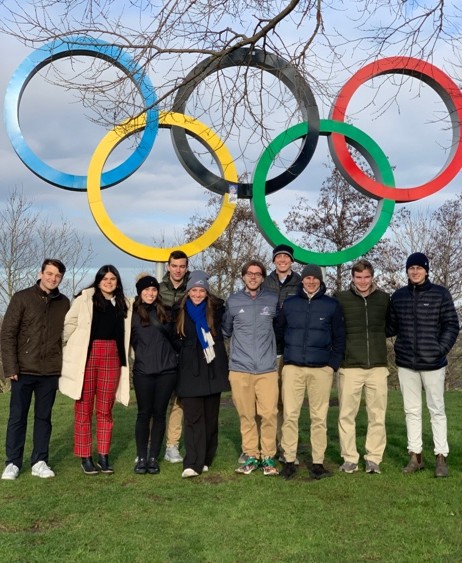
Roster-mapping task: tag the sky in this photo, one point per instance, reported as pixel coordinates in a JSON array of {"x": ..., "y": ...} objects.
[{"x": 155, "y": 203}]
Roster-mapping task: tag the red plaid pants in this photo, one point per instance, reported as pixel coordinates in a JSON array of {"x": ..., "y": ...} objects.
[{"x": 101, "y": 378}]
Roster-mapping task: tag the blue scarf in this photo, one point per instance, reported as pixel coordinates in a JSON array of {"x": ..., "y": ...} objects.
[{"x": 197, "y": 314}]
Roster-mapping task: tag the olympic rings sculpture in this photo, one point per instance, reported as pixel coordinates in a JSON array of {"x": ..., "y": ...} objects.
[
  {"x": 71, "y": 47},
  {"x": 107, "y": 145},
  {"x": 339, "y": 135}
]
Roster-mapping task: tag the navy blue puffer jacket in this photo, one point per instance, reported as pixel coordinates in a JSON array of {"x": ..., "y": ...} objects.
[
  {"x": 424, "y": 320},
  {"x": 312, "y": 330}
]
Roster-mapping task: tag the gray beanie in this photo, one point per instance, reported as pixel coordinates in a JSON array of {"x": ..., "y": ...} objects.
[
  {"x": 198, "y": 279},
  {"x": 312, "y": 270}
]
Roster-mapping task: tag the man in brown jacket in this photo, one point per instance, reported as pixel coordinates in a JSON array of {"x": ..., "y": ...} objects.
[{"x": 32, "y": 357}]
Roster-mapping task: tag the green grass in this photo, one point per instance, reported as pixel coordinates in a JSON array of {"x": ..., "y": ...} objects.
[{"x": 225, "y": 517}]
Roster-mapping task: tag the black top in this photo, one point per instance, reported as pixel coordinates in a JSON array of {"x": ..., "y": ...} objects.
[
  {"x": 108, "y": 324},
  {"x": 197, "y": 378},
  {"x": 424, "y": 320},
  {"x": 154, "y": 352}
]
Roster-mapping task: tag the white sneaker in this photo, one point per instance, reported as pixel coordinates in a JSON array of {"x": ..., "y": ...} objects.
[
  {"x": 10, "y": 472},
  {"x": 349, "y": 467},
  {"x": 189, "y": 472},
  {"x": 41, "y": 469},
  {"x": 205, "y": 469},
  {"x": 172, "y": 454}
]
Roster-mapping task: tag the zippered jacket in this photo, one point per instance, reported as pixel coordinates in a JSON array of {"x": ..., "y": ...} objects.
[
  {"x": 365, "y": 321},
  {"x": 249, "y": 323},
  {"x": 152, "y": 345},
  {"x": 312, "y": 330},
  {"x": 32, "y": 328},
  {"x": 285, "y": 290},
  {"x": 170, "y": 294},
  {"x": 424, "y": 320}
]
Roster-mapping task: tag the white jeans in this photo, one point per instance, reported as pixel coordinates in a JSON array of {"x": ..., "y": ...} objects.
[{"x": 411, "y": 383}]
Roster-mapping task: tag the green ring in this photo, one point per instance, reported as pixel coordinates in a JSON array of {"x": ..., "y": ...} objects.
[{"x": 376, "y": 158}]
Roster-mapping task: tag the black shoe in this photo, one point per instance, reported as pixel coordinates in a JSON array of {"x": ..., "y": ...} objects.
[
  {"x": 153, "y": 466},
  {"x": 289, "y": 470},
  {"x": 318, "y": 471},
  {"x": 103, "y": 464},
  {"x": 140, "y": 466},
  {"x": 88, "y": 467}
]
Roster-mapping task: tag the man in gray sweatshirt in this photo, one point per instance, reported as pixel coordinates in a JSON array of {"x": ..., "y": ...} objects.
[{"x": 253, "y": 377}]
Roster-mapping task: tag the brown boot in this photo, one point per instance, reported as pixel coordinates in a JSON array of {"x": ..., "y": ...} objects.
[
  {"x": 415, "y": 463},
  {"x": 441, "y": 469}
]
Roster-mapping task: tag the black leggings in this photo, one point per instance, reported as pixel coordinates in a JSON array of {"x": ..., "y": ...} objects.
[
  {"x": 200, "y": 430},
  {"x": 153, "y": 394}
]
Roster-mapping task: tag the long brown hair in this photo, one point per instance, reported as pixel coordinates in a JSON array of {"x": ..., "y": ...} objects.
[
  {"x": 211, "y": 303},
  {"x": 138, "y": 307}
]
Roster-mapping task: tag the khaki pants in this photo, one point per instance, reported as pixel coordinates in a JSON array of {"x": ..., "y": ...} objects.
[
  {"x": 351, "y": 382},
  {"x": 280, "y": 416},
  {"x": 256, "y": 394},
  {"x": 317, "y": 382},
  {"x": 175, "y": 422}
]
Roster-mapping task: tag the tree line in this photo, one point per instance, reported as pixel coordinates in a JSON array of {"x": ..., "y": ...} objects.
[{"x": 340, "y": 216}]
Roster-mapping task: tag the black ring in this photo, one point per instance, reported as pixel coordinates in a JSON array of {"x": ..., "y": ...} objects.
[{"x": 281, "y": 69}]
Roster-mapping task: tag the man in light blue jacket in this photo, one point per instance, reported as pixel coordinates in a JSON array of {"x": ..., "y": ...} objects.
[{"x": 248, "y": 321}]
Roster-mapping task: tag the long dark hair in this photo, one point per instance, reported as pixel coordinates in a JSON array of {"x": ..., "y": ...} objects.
[
  {"x": 211, "y": 303},
  {"x": 98, "y": 299},
  {"x": 140, "y": 309}
]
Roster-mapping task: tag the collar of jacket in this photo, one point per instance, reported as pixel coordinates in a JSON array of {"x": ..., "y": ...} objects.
[
  {"x": 425, "y": 286},
  {"x": 354, "y": 290},
  {"x": 321, "y": 291},
  {"x": 166, "y": 279},
  {"x": 257, "y": 293},
  {"x": 49, "y": 295},
  {"x": 275, "y": 276}
]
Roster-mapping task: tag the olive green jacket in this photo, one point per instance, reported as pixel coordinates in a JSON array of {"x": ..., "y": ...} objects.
[{"x": 365, "y": 319}]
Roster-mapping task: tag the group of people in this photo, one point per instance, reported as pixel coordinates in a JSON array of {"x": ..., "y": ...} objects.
[{"x": 287, "y": 338}]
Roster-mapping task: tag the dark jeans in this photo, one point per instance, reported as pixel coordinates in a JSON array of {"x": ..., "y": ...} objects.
[
  {"x": 44, "y": 388},
  {"x": 200, "y": 430},
  {"x": 153, "y": 394}
]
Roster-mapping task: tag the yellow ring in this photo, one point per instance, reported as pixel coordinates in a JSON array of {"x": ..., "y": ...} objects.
[{"x": 102, "y": 153}]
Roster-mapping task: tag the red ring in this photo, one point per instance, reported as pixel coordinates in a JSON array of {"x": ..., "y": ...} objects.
[{"x": 444, "y": 86}]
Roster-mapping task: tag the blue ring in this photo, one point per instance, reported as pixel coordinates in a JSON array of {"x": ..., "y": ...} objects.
[{"x": 58, "y": 49}]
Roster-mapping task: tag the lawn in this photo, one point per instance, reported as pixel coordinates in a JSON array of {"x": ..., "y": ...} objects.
[{"x": 225, "y": 517}]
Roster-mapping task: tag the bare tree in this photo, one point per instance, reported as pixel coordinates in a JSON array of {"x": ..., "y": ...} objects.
[
  {"x": 26, "y": 238},
  {"x": 438, "y": 234},
  {"x": 5, "y": 384},
  {"x": 169, "y": 39},
  {"x": 339, "y": 219},
  {"x": 17, "y": 227},
  {"x": 224, "y": 259},
  {"x": 154, "y": 31}
]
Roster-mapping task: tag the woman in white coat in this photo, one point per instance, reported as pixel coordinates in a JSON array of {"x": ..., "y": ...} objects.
[{"x": 95, "y": 363}]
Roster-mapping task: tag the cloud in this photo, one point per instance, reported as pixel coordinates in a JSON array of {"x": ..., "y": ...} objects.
[{"x": 158, "y": 200}]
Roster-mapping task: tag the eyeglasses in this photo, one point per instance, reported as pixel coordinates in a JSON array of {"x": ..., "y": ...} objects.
[{"x": 254, "y": 274}]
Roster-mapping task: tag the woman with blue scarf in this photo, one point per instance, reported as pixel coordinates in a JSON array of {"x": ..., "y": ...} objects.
[{"x": 202, "y": 371}]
